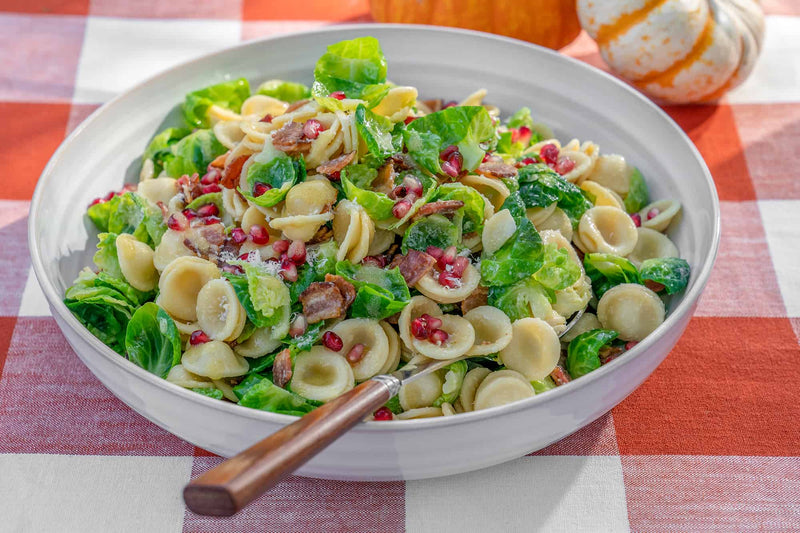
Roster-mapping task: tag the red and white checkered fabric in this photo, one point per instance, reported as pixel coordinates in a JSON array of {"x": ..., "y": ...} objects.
[{"x": 710, "y": 442}]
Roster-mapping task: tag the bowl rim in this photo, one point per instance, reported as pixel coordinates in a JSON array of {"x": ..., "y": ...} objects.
[{"x": 684, "y": 307}]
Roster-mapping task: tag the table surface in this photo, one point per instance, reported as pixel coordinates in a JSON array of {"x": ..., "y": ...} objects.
[{"x": 709, "y": 442}]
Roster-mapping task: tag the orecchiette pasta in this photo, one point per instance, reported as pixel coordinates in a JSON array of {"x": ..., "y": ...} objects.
[
  {"x": 353, "y": 230},
  {"x": 498, "y": 230},
  {"x": 415, "y": 308},
  {"x": 371, "y": 335},
  {"x": 219, "y": 312},
  {"x": 492, "y": 189},
  {"x": 574, "y": 298},
  {"x": 234, "y": 204},
  {"x": 537, "y": 215},
  {"x": 632, "y": 310},
  {"x": 261, "y": 342},
  {"x": 183, "y": 378},
  {"x": 652, "y": 244},
  {"x": 660, "y": 214},
  {"x": 534, "y": 348},
  {"x": 607, "y": 230},
  {"x": 421, "y": 392},
  {"x": 611, "y": 171},
  {"x": 158, "y": 190},
  {"x": 448, "y": 409},
  {"x": 215, "y": 360},
  {"x": 422, "y": 412},
  {"x": 321, "y": 375},
  {"x": 260, "y": 105},
  {"x": 603, "y": 195},
  {"x": 500, "y": 388},
  {"x": 394, "y": 349},
  {"x": 430, "y": 287},
  {"x": 558, "y": 221},
  {"x": 180, "y": 283},
  {"x": 136, "y": 262},
  {"x": 461, "y": 337},
  {"x": 397, "y": 103},
  {"x": 226, "y": 389},
  {"x": 587, "y": 322},
  {"x": 471, "y": 383},
  {"x": 492, "y": 330}
]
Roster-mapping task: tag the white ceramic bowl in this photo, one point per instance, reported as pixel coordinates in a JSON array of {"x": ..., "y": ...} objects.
[{"x": 573, "y": 98}]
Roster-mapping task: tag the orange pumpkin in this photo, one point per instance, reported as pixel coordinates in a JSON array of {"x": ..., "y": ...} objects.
[{"x": 550, "y": 23}]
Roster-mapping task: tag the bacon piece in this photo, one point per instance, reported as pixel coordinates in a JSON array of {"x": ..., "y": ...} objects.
[
  {"x": 653, "y": 285},
  {"x": 442, "y": 206},
  {"x": 322, "y": 300},
  {"x": 403, "y": 162},
  {"x": 219, "y": 161},
  {"x": 477, "y": 298},
  {"x": 384, "y": 182},
  {"x": 335, "y": 165},
  {"x": 192, "y": 247},
  {"x": 609, "y": 353},
  {"x": 231, "y": 173},
  {"x": 346, "y": 288},
  {"x": 560, "y": 376},
  {"x": 296, "y": 105},
  {"x": 282, "y": 368},
  {"x": 497, "y": 170},
  {"x": 415, "y": 265},
  {"x": 290, "y": 138},
  {"x": 214, "y": 234},
  {"x": 434, "y": 104},
  {"x": 323, "y": 234}
]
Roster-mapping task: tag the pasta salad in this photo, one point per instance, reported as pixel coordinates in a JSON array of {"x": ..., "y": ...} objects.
[{"x": 287, "y": 243}]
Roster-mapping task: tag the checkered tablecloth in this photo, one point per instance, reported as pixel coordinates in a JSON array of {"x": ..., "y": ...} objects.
[{"x": 711, "y": 441}]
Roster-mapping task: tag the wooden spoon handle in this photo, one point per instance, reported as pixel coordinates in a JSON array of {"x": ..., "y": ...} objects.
[{"x": 227, "y": 488}]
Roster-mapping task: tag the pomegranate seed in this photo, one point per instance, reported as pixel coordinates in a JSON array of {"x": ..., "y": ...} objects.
[
  {"x": 528, "y": 161},
  {"x": 238, "y": 235},
  {"x": 384, "y": 413},
  {"x": 297, "y": 252},
  {"x": 630, "y": 344},
  {"x": 398, "y": 192},
  {"x": 208, "y": 210},
  {"x": 447, "y": 258},
  {"x": 280, "y": 247},
  {"x": 356, "y": 353},
  {"x": 212, "y": 177},
  {"x": 109, "y": 196},
  {"x": 486, "y": 157},
  {"x": 332, "y": 341},
  {"x": 431, "y": 321},
  {"x": 375, "y": 260},
  {"x": 288, "y": 270},
  {"x": 298, "y": 326},
  {"x": 190, "y": 214},
  {"x": 260, "y": 188},
  {"x": 207, "y": 221},
  {"x": 448, "y": 280},
  {"x": 521, "y": 134},
  {"x": 413, "y": 186},
  {"x": 232, "y": 269},
  {"x": 198, "y": 336},
  {"x": 637, "y": 220},
  {"x": 339, "y": 95},
  {"x": 564, "y": 165},
  {"x": 335, "y": 176},
  {"x": 438, "y": 336},
  {"x": 452, "y": 167},
  {"x": 245, "y": 256},
  {"x": 435, "y": 252},
  {"x": 311, "y": 128},
  {"x": 259, "y": 234},
  {"x": 401, "y": 208},
  {"x": 266, "y": 118},
  {"x": 451, "y": 103},
  {"x": 211, "y": 188},
  {"x": 653, "y": 213},
  {"x": 549, "y": 154},
  {"x": 176, "y": 223},
  {"x": 460, "y": 264},
  {"x": 419, "y": 328},
  {"x": 96, "y": 201},
  {"x": 448, "y": 152},
  {"x": 409, "y": 120}
]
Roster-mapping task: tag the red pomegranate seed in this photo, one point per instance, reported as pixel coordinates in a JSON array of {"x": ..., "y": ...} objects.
[
  {"x": 549, "y": 154},
  {"x": 332, "y": 341},
  {"x": 207, "y": 221},
  {"x": 298, "y": 326},
  {"x": 630, "y": 344},
  {"x": 401, "y": 208},
  {"x": 280, "y": 247},
  {"x": 486, "y": 157},
  {"x": 398, "y": 192},
  {"x": 211, "y": 188},
  {"x": 447, "y": 279},
  {"x": 198, "y": 336},
  {"x": 211, "y": 177},
  {"x": 419, "y": 328},
  {"x": 297, "y": 252},
  {"x": 564, "y": 165},
  {"x": 232, "y": 269},
  {"x": 447, "y": 258},
  {"x": 96, "y": 201},
  {"x": 435, "y": 252},
  {"x": 448, "y": 152},
  {"x": 208, "y": 210},
  {"x": 259, "y": 234},
  {"x": 637, "y": 220},
  {"x": 190, "y": 214},
  {"x": 431, "y": 321},
  {"x": 238, "y": 235},
  {"x": 382, "y": 414},
  {"x": 460, "y": 264},
  {"x": 521, "y": 134},
  {"x": 260, "y": 188},
  {"x": 288, "y": 270},
  {"x": 409, "y": 120},
  {"x": 413, "y": 186},
  {"x": 374, "y": 260},
  {"x": 266, "y": 118},
  {"x": 438, "y": 336},
  {"x": 528, "y": 161},
  {"x": 653, "y": 213},
  {"x": 356, "y": 353},
  {"x": 452, "y": 167},
  {"x": 176, "y": 223},
  {"x": 245, "y": 256},
  {"x": 109, "y": 196},
  {"x": 339, "y": 95},
  {"x": 451, "y": 103},
  {"x": 311, "y": 128}
]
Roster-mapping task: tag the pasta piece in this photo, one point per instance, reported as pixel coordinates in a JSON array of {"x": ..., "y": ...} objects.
[
  {"x": 260, "y": 105},
  {"x": 607, "y": 230},
  {"x": 501, "y": 388},
  {"x": 253, "y": 216},
  {"x": 574, "y": 298},
  {"x": 229, "y": 133},
  {"x": 632, "y": 310},
  {"x": 421, "y": 392},
  {"x": 215, "y": 360},
  {"x": 475, "y": 98},
  {"x": 216, "y": 113},
  {"x": 322, "y": 375},
  {"x": 430, "y": 287},
  {"x": 180, "y": 284},
  {"x": 136, "y": 262},
  {"x": 497, "y": 230},
  {"x": 394, "y": 348},
  {"x": 371, "y": 335},
  {"x": 227, "y": 390},
  {"x": 397, "y": 103},
  {"x": 233, "y": 204},
  {"x": 460, "y": 339},
  {"x": 587, "y": 322},
  {"x": 311, "y": 197},
  {"x": 550, "y": 236},
  {"x": 457, "y": 407},
  {"x": 300, "y": 227},
  {"x": 611, "y": 171},
  {"x": 538, "y": 215},
  {"x": 534, "y": 348},
  {"x": 652, "y": 244},
  {"x": 416, "y": 307},
  {"x": 492, "y": 330},
  {"x": 471, "y": 383},
  {"x": 537, "y": 147},
  {"x": 447, "y": 409},
  {"x": 147, "y": 171},
  {"x": 603, "y": 195},
  {"x": 360, "y": 251},
  {"x": 492, "y": 189},
  {"x": 348, "y": 231},
  {"x": 158, "y": 190},
  {"x": 664, "y": 212},
  {"x": 381, "y": 242},
  {"x": 219, "y": 312},
  {"x": 326, "y": 144},
  {"x": 186, "y": 328},
  {"x": 422, "y": 412},
  {"x": 170, "y": 248},
  {"x": 583, "y": 165},
  {"x": 261, "y": 342},
  {"x": 183, "y": 378}
]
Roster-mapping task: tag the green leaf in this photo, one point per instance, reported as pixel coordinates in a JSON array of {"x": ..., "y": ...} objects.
[
  {"x": 394, "y": 405},
  {"x": 264, "y": 297},
  {"x": 377, "y": 205},
  {"x": 559, "y": 271},
  {"x": 106, "y": 255},
  {"x": 453, "y": 380},
  {"x": 193, "y": 154},
  {"x": 379, "y": 293},
  {"x": 526, "y": 298},
  {"x": 540, "y": 186},
  {"x": 160, "y": 148},
  {"x": 308, "y": 339},
  {"x": 129, "y": 213},
  {"x": 132, "y": 295},
  {"x": 521, "y": 118},
  {"x": 519, "y": 258},
  {"x": 607, "y": 271},
  {"x": 543, "y": 385},
  {"x": 152, "y": 340},
  {"x": 376, "y": 132},
  {"x": 638, "y": 196},
  {"x": 321, "y": 260},
  {"x": 360, "y": 175},
  {"x": 671, "y": 272},
  {"x": 474, "y": 204},
  {"x": 229, "y": 95},
  {"x": 505, "y": 145},
  {"x": 208, "y": 198},
  {"x": 288, "y": 91},
  {"x": 280, "y": 173},
  {"x": 266, "y": 396},
  {"x": 583, "y": 353},
  {"x": 210, "y": 392},
  {"x": 429, "y": 187},
  {"x": 433, "y": 230},
  {"x": 462, "y": 126},
  {"x": 356, "y": 67}
]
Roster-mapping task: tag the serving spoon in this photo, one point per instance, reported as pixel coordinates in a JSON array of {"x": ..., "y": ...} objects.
[{"x": 229, "y": 487}]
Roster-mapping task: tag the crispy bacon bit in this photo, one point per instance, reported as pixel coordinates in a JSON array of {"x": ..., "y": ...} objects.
[
  {"x": 609, "y": 353},
  {"x": 653, "y": 285},
  {"x": 282, "y": 368},
  {"x": 560, "y": 376},
  {"x": 403, "y": 162},
  {"x": 214, "y": 234},
  {"x": 230, "y": 174},
  {"x": 219, "y": 161},
  {"x": 442, "y": 206},
  {"x": 347, "y": 290},
  {"x": 497, "y": 170},
  {"x": 323, "y": 234},
  {"x": 296, "y": 105},
  {"x": 322, "y": 300},
  {"x": 192, "y": 247},
  {"x": 384, "y": 182},
  {"x": 335, "y": 165},
  {"x": 477, "y": 298},
  {"x": 434, "y": 105},
  {"x": 415, "y": 265},
  {"x": 290, "y": 138}
]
